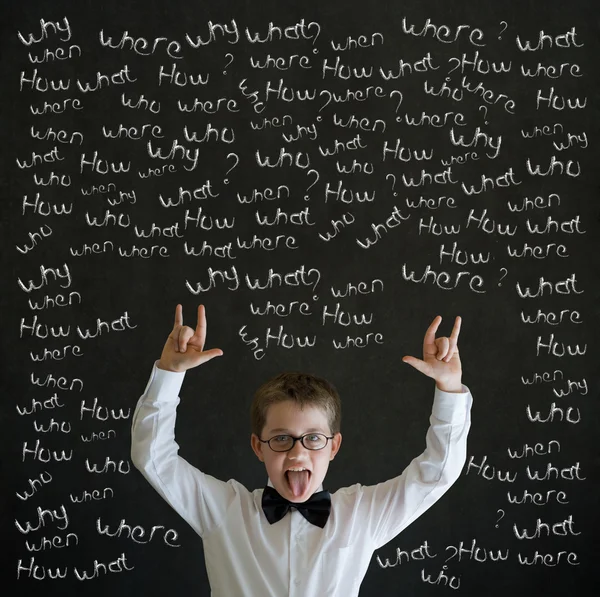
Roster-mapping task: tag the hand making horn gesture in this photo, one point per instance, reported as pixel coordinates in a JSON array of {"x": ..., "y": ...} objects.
[
  {"x": 440, "y": 357},
  {"x": 184, "y": 347}
]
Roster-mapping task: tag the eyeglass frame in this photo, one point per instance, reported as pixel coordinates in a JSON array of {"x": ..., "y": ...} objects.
[{"x": 295, "y": 439}]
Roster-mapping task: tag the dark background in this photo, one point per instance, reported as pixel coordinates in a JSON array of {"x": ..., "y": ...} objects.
[{"x": 386, "y": 403}]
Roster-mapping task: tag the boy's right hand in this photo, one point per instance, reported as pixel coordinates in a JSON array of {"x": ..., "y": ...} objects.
[{"x": 184, "y": 346}]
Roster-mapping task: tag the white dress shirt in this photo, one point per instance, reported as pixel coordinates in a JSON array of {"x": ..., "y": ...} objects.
[{"x": 248, "y": 557}]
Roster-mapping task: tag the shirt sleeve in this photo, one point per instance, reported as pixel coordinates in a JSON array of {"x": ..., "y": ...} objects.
[
  {"x": 197, "y": 497},
  {"x": 389, "y": 507}
]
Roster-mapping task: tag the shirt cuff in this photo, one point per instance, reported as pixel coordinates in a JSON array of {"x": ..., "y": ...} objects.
[
  {"x": 164, "y": 386},
  {"x": 451, "y": 407}
]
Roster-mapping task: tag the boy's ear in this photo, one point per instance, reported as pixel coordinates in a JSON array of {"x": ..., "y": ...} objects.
[
  {"x": 336, "y": 442},
  {"x": 257, "y": 446}
]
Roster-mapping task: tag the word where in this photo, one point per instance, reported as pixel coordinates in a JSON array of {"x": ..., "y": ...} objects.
[{"x": 137, "y": 533}]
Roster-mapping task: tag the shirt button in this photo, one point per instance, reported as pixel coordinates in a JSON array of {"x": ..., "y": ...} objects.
[{"x": 297, "y": 581}]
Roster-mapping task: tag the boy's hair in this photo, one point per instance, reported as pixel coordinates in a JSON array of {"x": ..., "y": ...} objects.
[{"x": 302, "y": 388}]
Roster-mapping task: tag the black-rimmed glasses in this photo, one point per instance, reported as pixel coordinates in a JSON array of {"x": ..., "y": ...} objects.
[{"x": 284, "y": 443}]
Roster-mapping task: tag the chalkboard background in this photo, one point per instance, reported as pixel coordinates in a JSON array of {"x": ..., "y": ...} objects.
[{"x": 104, "y": 223}]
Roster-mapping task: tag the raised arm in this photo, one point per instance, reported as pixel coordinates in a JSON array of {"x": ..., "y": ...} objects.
[
  {"x": 391, "y": 506},
  {"x": 199, "y": 498}
]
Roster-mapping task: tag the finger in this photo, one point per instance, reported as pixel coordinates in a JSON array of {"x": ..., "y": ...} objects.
[
  {"x": 178, "y": 316},
  {"x": 453, "y": 354},
  {"x": 456, "y": 330},
  {"x": 212, "y": 353},
  {"x": 185, "y": 333},
  {"x": 201, "y": 324},
  {"x": 443, "y": 344},
  {"x": 418, "y": 364},
  {"x": 429, "y": 340},
  {"x": 454, "y": 338}
]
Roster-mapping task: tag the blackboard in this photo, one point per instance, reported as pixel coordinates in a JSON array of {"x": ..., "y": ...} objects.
[{"x": 325, "y": 178}]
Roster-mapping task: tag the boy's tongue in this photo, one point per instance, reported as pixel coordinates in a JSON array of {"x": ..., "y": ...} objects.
[{"x": 298, "y": 481}]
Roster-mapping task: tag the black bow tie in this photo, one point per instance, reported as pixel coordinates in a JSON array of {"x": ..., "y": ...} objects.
[{"x": 315, "y": 509}]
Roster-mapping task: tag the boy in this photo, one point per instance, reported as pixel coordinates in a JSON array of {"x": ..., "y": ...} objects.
[{"x": 292, "y": 538}]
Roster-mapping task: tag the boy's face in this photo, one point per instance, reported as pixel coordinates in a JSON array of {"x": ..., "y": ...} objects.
[{"x": 286, "y": 418}]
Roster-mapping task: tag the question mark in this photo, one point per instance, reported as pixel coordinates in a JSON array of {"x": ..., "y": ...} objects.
[
  {"x": 393, "y": 183},
  {"x": 228, "y": 54},
  {"x": 505, "y": 273},
  {"x": 485, "y": 112},
  {"x": 501, "y": 517},
  {"x": 306, "y": 197},
  {"x": 237, "y": 161},
  {"x": 398, "y": 118},
  {"x": 503, "y": 30}
]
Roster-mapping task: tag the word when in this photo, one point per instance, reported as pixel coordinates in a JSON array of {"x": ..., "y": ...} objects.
[
  {"x": 94, "y": 495},
  {"x": 361, "y": 42},
  {"x": 55, "y": 542},
  {"x": 544, "y": 377},
  {"x": 537, "y": 450},
  {"x": 57, "y": 301},
  {"x": 101, "y": 435},
  {"x": 60, "y": 382}
]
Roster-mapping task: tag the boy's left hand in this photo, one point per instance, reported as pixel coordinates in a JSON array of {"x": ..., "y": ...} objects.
[{"x": 440, "y": 357}]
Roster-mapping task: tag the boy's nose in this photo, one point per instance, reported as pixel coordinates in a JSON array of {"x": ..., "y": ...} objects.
[{"x": 298, "y": 448}]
